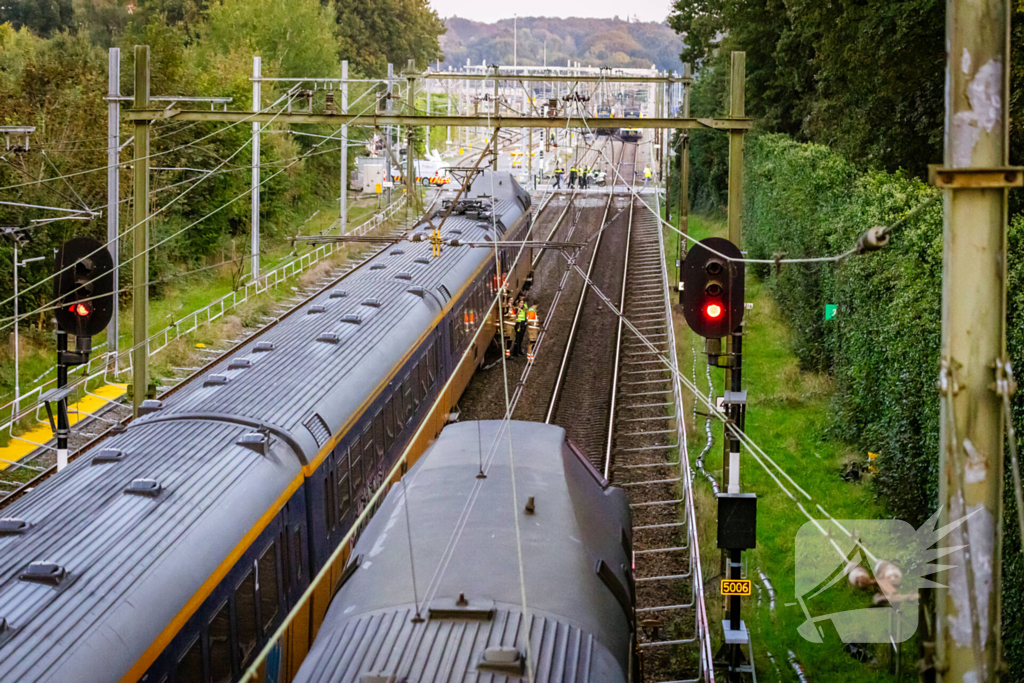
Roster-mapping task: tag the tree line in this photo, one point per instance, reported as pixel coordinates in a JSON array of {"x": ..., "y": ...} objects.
[
  {"x": 849, "y": 101},
  {"x": 53, "y": 75}
]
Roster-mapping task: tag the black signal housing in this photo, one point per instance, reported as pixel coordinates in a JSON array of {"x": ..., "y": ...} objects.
[
  {"x": 83, "y": 287},
  {"x": 713, "y": 287}
]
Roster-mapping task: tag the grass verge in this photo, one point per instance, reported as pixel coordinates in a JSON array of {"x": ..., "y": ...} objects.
[{"x": 787, "y": 415}]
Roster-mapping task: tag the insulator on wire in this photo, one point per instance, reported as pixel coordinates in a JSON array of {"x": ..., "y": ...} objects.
[{"x": 872, "y": 240}]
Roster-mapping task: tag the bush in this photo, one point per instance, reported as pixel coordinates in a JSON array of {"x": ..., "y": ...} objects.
[{"x": 883, "y": 345}]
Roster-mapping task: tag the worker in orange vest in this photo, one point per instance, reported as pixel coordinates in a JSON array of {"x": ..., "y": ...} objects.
[
  {"x": 508, "y": 326},
  {"x": 532, "y": 329}
]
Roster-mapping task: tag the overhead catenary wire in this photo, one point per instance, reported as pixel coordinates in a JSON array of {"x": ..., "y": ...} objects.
[
  {"x": 752, "y": 447},
  {"x": 154, "y": 154},
  {"x": 175, "y": 199},
  {"x": 144, "y": 222},
  {"x": 187, "y": 227},
  {"x": 882, "y": 231}
]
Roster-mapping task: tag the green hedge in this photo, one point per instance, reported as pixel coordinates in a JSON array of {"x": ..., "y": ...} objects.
[{"x": 882, "y": 347}]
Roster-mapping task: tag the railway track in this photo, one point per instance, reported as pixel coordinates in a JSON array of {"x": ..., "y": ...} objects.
[
  {"x": 582, "y": 397},
  {"x": 608, "y": 383},
  {"x": 645, "y": 454}
]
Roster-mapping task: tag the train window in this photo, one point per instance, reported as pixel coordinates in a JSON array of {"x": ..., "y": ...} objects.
[
  {"x": 190, "y": 667},
  {"x": 431, "y": 364},
  {"x": 369, "y": 454},
  {"x": 297, "y": 555},
  {"x": 422, "y": 370},
  {"x": 266, "y": 577},
  {"x": 329, "y": 507},
  {"x": 245, "y": 618},
  {"x": 381, "y": 441},
  {"x": 355, "y": 459},
  {"x": 399, "y": 408},
  {"x": 344, "y": 495},
  {"x": 410, "y": 396},
  {"x": 389, "y": 422},
  {"x": 220, "y": 645}
]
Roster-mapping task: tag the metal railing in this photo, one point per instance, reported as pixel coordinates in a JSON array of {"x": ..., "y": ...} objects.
[
  {"x": 706, "y": 671},
  {"x": 108, "y": 365}
]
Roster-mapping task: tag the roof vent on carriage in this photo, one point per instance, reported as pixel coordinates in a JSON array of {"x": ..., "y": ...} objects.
[
  {"x": 150, "y": 488},
  {"x": 105, "y": 455}
]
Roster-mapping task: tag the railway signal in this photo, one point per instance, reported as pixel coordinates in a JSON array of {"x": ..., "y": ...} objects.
[
  {"x": 83, "y": 290},
  {"x": 83, "y": 287},
  {"x": 712, "y": 288}
]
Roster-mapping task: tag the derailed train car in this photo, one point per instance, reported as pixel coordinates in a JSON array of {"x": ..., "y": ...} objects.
[
  {"x": 464, "y": 620},
  {"x": 171, "y": 551}
]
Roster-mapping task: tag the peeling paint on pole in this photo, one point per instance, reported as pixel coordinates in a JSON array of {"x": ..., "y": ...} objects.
[
  {"x": 968, "y": 640},
  {"x": 984, "y": 93}
]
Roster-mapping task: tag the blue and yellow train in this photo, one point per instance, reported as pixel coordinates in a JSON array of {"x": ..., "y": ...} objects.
[{"x": 172, "y": 550}]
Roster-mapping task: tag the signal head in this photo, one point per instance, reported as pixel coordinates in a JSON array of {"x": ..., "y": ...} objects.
[
  {"x": 83, "y": 287},
  {"x": 712, "y": 296}
]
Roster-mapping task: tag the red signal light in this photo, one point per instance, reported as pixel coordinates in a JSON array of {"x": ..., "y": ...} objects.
[
  {"x": 713, "y": 311},
  {"x": 81, "y": 310}
]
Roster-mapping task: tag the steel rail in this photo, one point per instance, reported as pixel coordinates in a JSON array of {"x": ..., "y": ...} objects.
[
  {"x": 579, "y": 310},
  {"x": 618, "y": 341}
]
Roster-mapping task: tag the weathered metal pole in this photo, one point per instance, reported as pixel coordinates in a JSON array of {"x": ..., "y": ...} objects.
[
  {"x": 684, "y": 173},
  {"x": 389, "y": 176},
  {"x": 737, "y": 106},
  {"x": 684, "y": 161},
  {"x": 254, "y": 250},
  {"x": 494, "y": 163},
  {"x": 113, "y": 184},
  {"x": 343, "y": 199},
  {"x": 975, "y": 180},
  {"x": 140, "y": 241},
  {"x": 412, "y": 197},
  {"x": 426, "y": 88}
]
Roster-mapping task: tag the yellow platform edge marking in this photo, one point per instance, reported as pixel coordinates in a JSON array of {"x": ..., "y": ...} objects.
[{"x": 20, "y": 447}]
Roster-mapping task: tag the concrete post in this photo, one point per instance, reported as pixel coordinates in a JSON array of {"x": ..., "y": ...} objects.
[
  {"x": 684, "y": 161},
  {"x": 254, "y": 251},
  {"x": 737, "y": 83},
  {"x": 969, "y": 641},
  {"x": 140, "y": 232},
  {"x": 426, "y": 88},
  {"x": 343, "y": 199},
  {"x": 497, "y": 150},
  {"x": 113, "y": 185}
]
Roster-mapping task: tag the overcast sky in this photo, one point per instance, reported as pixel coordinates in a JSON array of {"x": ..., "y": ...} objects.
[{"x": 644, "y": 10}]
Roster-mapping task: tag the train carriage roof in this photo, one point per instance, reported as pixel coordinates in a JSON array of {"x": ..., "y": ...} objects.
[
  {"x": 575, "y": 565},
  {"x": 127, "y": 561},
  {"x": 374, "y": 320}
]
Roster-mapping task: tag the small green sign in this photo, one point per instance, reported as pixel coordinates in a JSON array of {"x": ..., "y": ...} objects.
[{"x": 830, "y": 311}]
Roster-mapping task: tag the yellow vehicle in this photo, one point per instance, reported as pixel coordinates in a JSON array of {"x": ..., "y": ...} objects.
[
  {"x": 606, "y": 112},
  {"x": 631, "y": 134}
]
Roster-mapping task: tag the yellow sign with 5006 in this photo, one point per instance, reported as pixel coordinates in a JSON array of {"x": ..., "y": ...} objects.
[{"x": 732, "y": 587}]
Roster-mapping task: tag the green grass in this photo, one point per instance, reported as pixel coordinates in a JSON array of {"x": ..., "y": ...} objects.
[{"x": 787, "y": 415}]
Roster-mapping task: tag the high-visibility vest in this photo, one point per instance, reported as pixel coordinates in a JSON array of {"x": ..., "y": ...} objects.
[
  {"x": 531, "y": 314},
  {"x": 647, "y": 173},
  {"x": 521, "y": 315}
]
